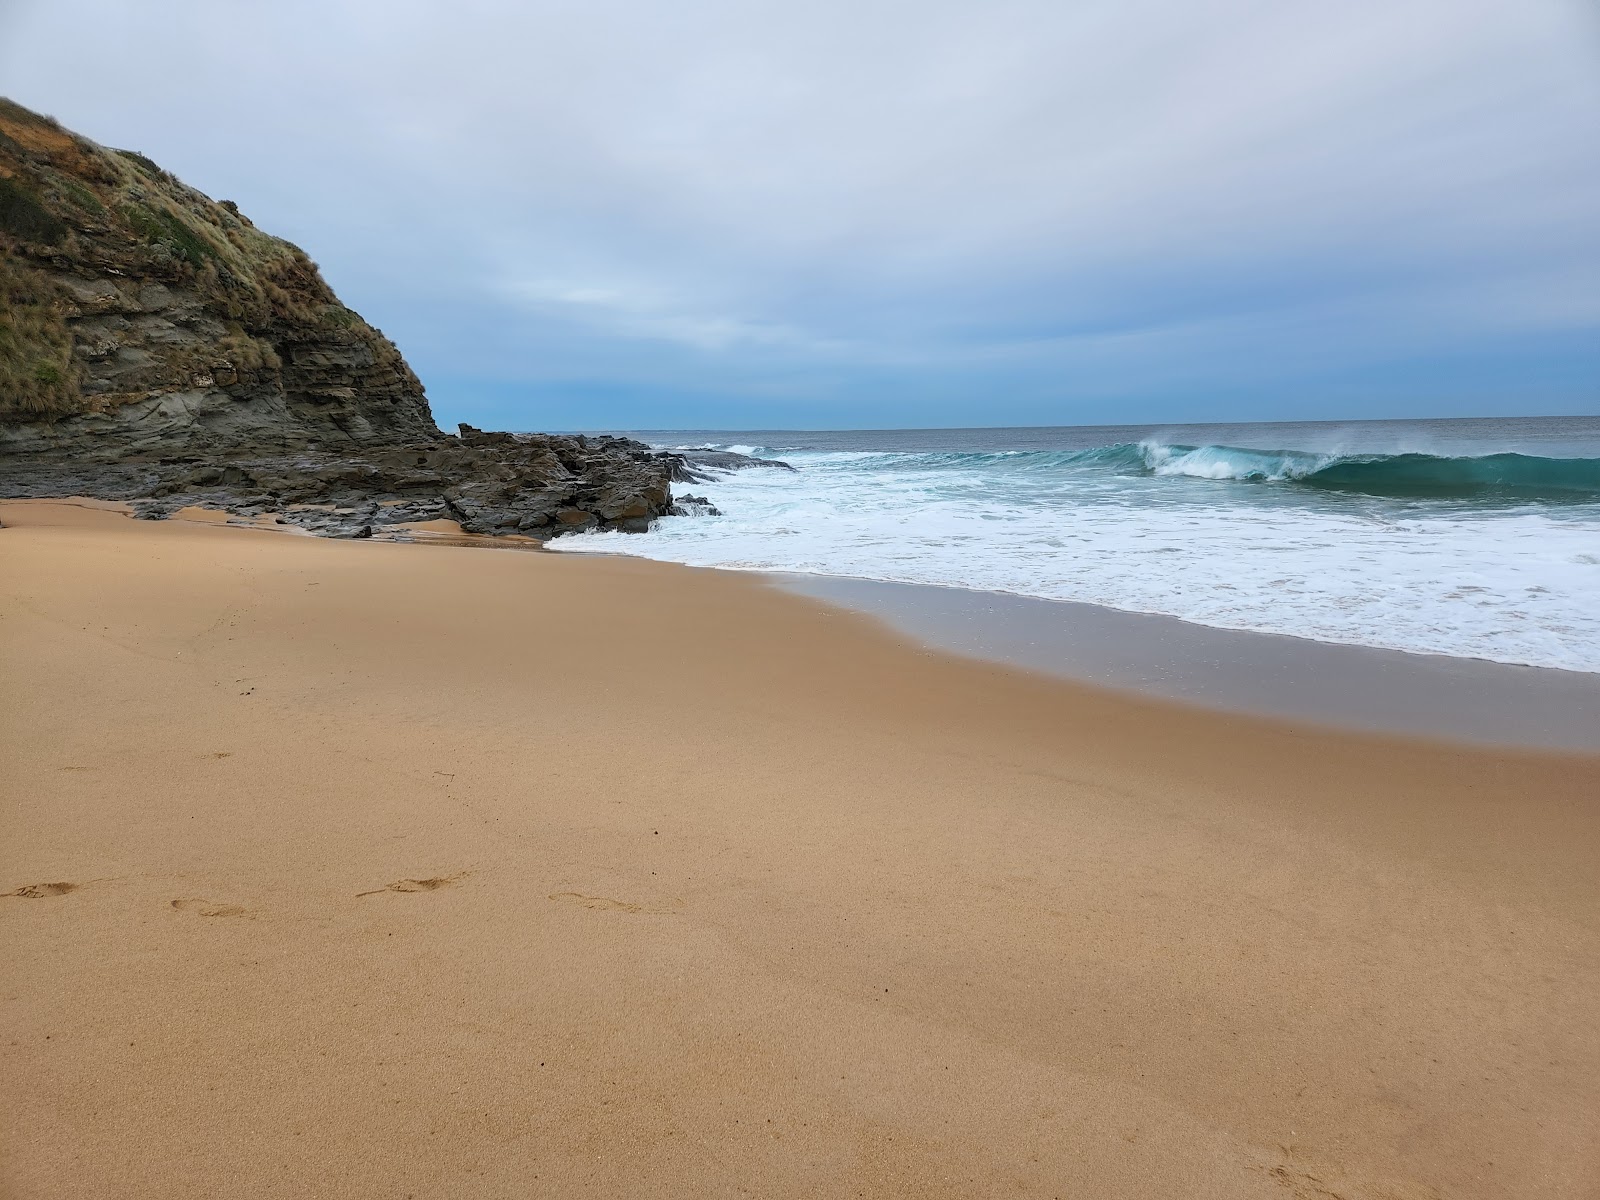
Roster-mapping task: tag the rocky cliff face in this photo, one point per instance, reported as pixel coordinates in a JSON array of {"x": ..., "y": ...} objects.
[{"x": 156, "y": 346}]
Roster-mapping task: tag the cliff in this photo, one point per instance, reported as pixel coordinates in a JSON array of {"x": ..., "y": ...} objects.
[{"x": 156, "y": 346}]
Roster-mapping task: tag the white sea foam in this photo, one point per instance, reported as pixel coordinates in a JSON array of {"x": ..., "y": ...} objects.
[
  {"x": 1517, "y": 584},
  {"x": 1227, "y": 462}
]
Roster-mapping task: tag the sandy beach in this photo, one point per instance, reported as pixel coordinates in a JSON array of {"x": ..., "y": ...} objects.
[{"x": 362, "y": 869}]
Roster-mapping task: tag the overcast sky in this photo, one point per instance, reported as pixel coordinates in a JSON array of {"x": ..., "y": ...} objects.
[{"x": 863, "y": 213}]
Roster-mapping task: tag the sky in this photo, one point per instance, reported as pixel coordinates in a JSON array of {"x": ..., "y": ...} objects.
[{"x": 619, "y": 214}]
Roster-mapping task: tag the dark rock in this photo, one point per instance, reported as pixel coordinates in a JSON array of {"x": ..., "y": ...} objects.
[
  {"x": 576, "y": 518},
  {"x": 693, "y": 506},
  {"x": 703, "y": 466}
]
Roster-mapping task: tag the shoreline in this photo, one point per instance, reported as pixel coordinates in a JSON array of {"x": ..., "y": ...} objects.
[
  {"x": 1372, "y": 689},
  {"x": 1335, "y": 685},
  {"x": 353, "y": 868}
]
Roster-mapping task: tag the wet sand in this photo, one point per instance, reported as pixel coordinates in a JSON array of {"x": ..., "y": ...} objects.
[
  {"x": 1353, "y": 687},
  {"x": 370, "y": 869}
]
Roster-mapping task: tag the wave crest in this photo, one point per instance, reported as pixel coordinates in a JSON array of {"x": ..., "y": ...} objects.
[
  {"x": 1411, "y": 475},
  {"x": 1521, "y": 476}
]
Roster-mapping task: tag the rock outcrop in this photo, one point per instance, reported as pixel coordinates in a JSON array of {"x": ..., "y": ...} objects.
[
  {"x": 155, "y": 346},
  {"x": 702, "y": 466}
]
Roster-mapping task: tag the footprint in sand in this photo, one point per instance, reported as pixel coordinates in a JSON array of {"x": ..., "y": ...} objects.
[
  {"x": 607, "y": 904},
  {"x": 1313, "y": 1181},
  {"x": 205, "y": 908},
  {"x": 37, "y": 891},
  {"x": 418, "y": 885}
]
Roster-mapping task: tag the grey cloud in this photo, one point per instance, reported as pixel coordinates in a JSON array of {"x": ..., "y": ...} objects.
[{"x": 726, "y": 194}]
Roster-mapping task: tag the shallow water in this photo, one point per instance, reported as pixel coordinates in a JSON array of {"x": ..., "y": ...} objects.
[{"x": 1285, "y": 678}]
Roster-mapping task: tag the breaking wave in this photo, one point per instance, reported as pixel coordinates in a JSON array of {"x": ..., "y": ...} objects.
[
  {"x": 1508, "y": 475},
  {"x": 1518, "y": 476}
]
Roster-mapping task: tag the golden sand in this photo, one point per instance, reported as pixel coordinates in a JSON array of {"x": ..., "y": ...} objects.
[{"x": 362, "y": 869}]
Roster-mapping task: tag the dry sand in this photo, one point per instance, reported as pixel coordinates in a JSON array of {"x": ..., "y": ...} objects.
[{"x": 342, "y": 869}]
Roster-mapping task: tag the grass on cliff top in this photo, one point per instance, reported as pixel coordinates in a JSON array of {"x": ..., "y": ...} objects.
[
  {"x": 54, "y": 183},
  {"x": 67, "y": 200},
  {"x": 161, "y": 226},
  {"x": 149, "y": 167}
]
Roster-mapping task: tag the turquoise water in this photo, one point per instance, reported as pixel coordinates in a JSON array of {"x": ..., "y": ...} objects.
[{"x": 1478, "y": 538}]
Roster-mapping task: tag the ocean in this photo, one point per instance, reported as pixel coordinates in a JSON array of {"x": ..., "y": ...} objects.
[{"x": 1477, "y": 538}]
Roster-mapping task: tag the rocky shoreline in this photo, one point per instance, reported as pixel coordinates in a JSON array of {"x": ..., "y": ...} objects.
[
  {"x": 157, "y": 348},
  {"x": 490, "y": 483},
  {"x": 533, "y": 485}
]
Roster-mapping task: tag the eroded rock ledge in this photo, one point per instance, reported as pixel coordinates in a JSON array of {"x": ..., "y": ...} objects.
[{"x": 536, "y": 485}]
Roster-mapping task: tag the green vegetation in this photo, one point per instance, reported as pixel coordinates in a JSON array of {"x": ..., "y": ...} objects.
[
  {"x": 25, "y": 217},
  {"x": 12, "y": 111},
  {"x": 82, "y": 197},
  {"x": 247, "y": 354},
  {"x": 36, "y": 372},
  {"x": 160, "y": 226},
  {"x": 148, "y": 167}
]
